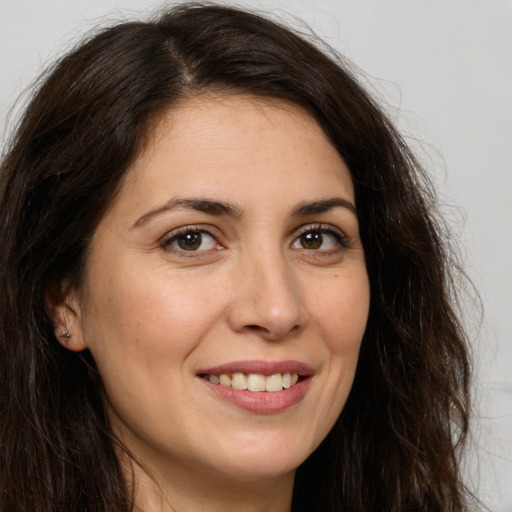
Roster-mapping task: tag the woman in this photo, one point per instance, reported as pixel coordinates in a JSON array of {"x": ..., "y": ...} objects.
[{"x": 224, "y": 288}]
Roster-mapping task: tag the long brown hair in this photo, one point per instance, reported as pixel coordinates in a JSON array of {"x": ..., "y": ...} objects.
[{"x": 395, "y": 446}]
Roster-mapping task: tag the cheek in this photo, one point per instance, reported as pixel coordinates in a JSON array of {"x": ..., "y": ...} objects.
[
  {"x": 148, "y": 314},
  {"x": 340, "y": 310},
  {"x": 141, "y": 331}
]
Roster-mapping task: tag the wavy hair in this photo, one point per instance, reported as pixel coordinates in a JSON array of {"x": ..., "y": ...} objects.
[{"x": 396, "y": 444}]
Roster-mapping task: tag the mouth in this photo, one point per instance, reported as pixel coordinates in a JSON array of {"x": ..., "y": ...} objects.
[
  {"x": 255, "y": 381},
  {"x": 259, "y": 386}
]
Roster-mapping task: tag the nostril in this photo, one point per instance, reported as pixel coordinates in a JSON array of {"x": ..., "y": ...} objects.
[
  {"x": 257, "y": 329},
  {"x": 274, "y": 333},
  {"x": 269, "y": 315}
]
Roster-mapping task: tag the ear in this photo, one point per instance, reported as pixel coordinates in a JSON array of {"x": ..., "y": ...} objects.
[{"x": 63, "y": 308}]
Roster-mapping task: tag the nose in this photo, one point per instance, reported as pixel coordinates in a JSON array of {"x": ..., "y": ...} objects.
[{"x": 266, "y": 299}]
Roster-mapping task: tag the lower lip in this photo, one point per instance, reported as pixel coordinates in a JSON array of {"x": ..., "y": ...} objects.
[{"x": 261, "y": 402}]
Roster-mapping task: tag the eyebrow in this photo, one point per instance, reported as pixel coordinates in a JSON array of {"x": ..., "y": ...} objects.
[
  {"x": 210, "y": 206},
  {"x": 323, "y": 206},
  {"x": 219, "y": 208}
]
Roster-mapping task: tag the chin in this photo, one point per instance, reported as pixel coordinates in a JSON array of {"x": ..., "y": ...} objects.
[{"x": 264, "y": 459}]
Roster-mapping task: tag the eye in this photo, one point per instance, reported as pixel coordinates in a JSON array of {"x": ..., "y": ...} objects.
[
  {"x": 190, "y": 240},
  {"x": 318, "y": 238}
]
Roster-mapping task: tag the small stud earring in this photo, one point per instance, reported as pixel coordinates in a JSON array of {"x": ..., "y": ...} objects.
[{"x": 65, "y": 334}]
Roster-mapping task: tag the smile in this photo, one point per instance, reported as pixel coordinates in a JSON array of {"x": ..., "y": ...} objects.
[
  {"x": 255, "y": 381},
  {"x": 258, "y": 386}
]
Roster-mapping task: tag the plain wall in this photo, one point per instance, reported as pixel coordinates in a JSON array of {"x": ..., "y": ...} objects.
[{"x": 444, "y": 67}]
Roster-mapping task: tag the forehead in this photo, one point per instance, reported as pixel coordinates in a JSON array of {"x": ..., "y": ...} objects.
[{"x": 210, "y": 144}]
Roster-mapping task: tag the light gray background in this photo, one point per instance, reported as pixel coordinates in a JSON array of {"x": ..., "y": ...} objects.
[{"x": 444, "y": 67}]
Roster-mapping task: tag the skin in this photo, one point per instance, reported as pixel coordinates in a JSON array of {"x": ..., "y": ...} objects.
[{"x": 153, "y": 314}]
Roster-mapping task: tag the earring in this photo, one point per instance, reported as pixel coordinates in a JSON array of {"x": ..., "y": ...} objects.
[{"x": 65, "y": 334}]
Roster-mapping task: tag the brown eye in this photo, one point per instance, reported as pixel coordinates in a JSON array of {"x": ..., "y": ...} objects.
[
  {"x": 191, "y": 241},
  {"x": 318, "y": 240},
  {"x": 311, "y": 240}
]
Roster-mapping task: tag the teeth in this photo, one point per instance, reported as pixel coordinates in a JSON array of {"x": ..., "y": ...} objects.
[
  {"x": 255, "y": 381},
  {"x": 238, "y": 381},
  {"x": 225, "y": 380},
  {"x": 274, "y": 383},
  {"x": 214, "y": 379}
]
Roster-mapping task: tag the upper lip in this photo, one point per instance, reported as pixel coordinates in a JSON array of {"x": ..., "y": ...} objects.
[{"x": 260, "y": 367}]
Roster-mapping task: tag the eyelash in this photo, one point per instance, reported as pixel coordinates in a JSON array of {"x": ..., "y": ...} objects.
[
  {"x": 323, "y": 229},
  {"x": 172, "y": 237}
]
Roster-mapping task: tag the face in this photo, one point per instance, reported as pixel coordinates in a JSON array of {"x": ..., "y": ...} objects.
[{"x": 230, "y": 254}]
